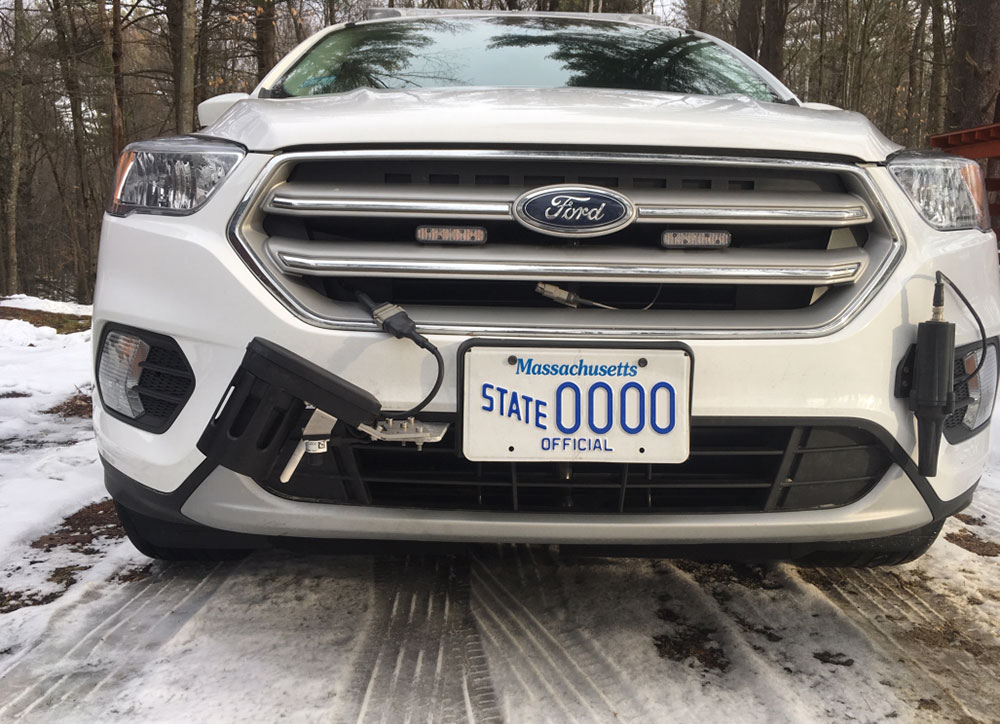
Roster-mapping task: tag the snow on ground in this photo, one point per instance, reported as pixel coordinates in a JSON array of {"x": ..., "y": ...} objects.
[
  {"x": 23, "y": 301},
  {"x": 90, "y": 629}
]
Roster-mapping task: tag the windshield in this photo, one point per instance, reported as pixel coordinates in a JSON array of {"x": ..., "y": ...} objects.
[{"x": 510, "y": 51}]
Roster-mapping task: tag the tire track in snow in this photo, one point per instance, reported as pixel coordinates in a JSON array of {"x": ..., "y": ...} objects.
[
  {"x": 425, "y": 660},
  {"x": 73, "y": 663},
  {"x": 521, "y": 608},
  {"x": 929, "y": 637}
]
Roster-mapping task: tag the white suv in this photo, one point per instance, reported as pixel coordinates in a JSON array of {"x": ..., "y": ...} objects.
[{"x": 552, "y": 278}]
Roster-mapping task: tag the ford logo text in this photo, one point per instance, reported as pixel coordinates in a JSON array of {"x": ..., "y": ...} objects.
[{"x": 574, "y": 210}]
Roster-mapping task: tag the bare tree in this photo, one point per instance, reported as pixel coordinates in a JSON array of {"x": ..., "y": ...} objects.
[
  {"x": 264, "y": 34},
  {"x": 9, "y": 281},
  {"x": 914, "y": 86},
  {"x": 935, "y": 111},
  {"x": 772, "y": 48},
  {"x": 67, "y": 61},
  {"x": 748, "y": 27},
  {"x": 975, "y": 65}
]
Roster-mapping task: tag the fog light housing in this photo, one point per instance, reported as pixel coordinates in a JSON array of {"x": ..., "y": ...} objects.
[
  {"x": 982, "y": 386},
  {"x": 118, "y": 373},
  {"x": 143, "y": 378},
  {"x": 973, "y": 399}
]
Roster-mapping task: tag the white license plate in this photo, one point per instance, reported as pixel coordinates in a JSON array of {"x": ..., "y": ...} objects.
[{"x": 576, "y": 404}]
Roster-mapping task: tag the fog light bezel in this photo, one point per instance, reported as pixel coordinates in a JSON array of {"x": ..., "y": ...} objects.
[
  {"x": 145, "y": 421},
  {"x": 960, "y": 432}
]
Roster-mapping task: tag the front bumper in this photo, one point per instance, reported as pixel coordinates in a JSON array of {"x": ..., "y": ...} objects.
[{"x": 180, "y": 277}]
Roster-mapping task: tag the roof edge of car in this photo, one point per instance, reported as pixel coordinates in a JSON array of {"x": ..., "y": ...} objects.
[{"x": 384, "y": 13}]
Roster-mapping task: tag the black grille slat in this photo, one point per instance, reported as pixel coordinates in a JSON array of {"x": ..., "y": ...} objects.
[
  {"x": 761, "y": 469},
  {"x": 165, "y": 384},
  {"x": 165, "y": 370}
]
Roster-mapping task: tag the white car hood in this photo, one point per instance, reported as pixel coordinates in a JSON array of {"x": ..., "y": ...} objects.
[{"x": 551, "y": 117}]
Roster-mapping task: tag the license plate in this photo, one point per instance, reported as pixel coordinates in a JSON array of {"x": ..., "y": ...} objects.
[{"x": 576, "y": 404}]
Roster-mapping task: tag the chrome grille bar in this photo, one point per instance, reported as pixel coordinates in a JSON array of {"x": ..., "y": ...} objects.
[
  {"x": 605, "y": 264},
  {"x": 700, "y": 207},
  {"x": 364, "y": 207}
]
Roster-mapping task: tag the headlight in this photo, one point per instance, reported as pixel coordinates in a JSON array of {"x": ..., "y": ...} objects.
[
  {"x": 948, "y": 191},
  {"x": 171, "y": 175}
]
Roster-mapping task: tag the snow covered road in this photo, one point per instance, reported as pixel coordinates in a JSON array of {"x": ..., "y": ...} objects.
[{"x": 89, "y": 629}]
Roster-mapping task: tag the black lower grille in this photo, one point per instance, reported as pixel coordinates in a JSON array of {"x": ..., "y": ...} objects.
[
  {"x": 746, "y": 468},
  {"x": 165, "y": 384}
]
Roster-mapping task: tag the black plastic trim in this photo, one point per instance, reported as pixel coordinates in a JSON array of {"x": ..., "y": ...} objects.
[
  {"x": 153, "y": 339},
  {"x": 152, "y": 503},
  {"x": 939, "y": 509}
]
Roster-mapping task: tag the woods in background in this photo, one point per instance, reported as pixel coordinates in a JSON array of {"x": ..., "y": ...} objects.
[{"x": 79, "y": 80}]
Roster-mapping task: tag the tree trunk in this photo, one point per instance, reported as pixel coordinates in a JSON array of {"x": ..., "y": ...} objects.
[
  {"x": 935, "y": 92},
  {"x": 820, "y": 85},
  {"x": 81, "y": 277},
  {"x": 975, "y": 64},
  {"x": 296, "y": 12},
  {"x": 188, "y": 47},
  {"x": 914, "y": 90},
  {"x": 118, "y": 108},
  {"x": 748, "y": 27},
  {"x": 71, "y": 81},
  {"x": 203, "y": 89},
  {"x": 9, "y": 283},
  {"x": 264, "y": 27},
  {"x": 772, "y": 48},
  {"x": 181, "y": 29},
  {"x": 111, "y": 28}
]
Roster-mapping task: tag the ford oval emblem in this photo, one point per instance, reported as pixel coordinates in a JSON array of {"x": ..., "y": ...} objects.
[{"x": 574, "y": 210}]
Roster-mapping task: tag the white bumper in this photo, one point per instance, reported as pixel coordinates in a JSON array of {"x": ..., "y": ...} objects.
[{"x": 182, "y": 278}]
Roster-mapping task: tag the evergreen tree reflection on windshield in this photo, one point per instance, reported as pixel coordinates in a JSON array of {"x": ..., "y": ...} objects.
[
  {"x": 637, "y": 57},
  {"x": 519, "y": 52}
]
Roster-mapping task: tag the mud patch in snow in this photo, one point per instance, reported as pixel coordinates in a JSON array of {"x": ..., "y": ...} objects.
[
  {"x": 690, "y": 644},
  {"x": 827, "y": 657},
  {"x": 968, "y": 540},
  {"x": 133, "y": 574},
  {"x": 80, "y": 530},
  {"x": 63, "y": 577},
  {"x": 57, "y": 322},
  {"x": 79, "y": 405},
  {"x": 978, "y": 521}
]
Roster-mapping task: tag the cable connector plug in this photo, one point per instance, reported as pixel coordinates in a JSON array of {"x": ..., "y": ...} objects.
[
  {"x": 394, "y": 320},
  {"x": 937, "y": 305},
  {"x": 558, "y": 294},
  {"x": 566, "y": 297}
]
